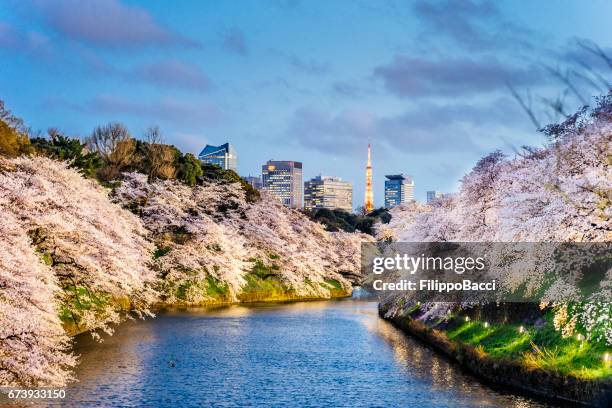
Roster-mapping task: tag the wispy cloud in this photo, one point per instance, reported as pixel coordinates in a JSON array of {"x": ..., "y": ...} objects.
[
  {"x": 165, "y": 109},
  {"x": 172, "y": 73},
  {"x": 30, "y": 42},
  {"x": 471, "y": 24},
  {"x": 452, "y": 127},
  {"x": 420, "y": 77},
  {"x": 108, "y": 23}
]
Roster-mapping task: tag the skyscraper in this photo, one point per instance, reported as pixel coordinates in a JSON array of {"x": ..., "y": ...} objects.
[
  {"x": 223, "y": 156},
  {"x": 328, "y": 192},
  {"x": 283, "y": 179},
  {"x": 432, "y": 195},
  {"x": 369, "y": 195},
  {"x": 399, "y": 188}
]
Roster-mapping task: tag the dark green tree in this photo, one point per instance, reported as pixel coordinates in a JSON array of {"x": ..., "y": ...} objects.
[
  {"x": 189, "y": 169},
  {"x": 62, "y": 147}
]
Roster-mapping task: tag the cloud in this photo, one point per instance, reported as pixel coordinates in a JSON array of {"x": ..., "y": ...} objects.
[
  {"x": 420, "y": 77},
  {"x": 474, "y": 25},
  {"x": 428, "y": 128},
  {"x": 108, "y": 23},
  {"x": 30, "y": 42},
  {"x": 172, "y": 73},
  {"x": 345, "y": 89},
  {"x": 234, "y": 41},
  {"x": 165, "y": 109},
  {"x": 310, "y": 66}
]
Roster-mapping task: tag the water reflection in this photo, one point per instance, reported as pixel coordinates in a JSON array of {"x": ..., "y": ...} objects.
[
  {"x": 438, "y": 372},
  {"x": 336, "y": 353}
]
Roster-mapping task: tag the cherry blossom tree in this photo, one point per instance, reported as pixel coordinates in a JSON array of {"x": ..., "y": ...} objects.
[
  {"x": 561, "y": 192},
  {"x": 96, "y": 249},
  {"x": 210, "y": 230},
  {"x": 34, "y": 350}
]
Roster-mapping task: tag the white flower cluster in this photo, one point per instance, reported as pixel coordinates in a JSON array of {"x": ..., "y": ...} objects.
[
  {"x": 559, "y": 193},
  {"x": 95, "y": 258},
  {"x": 211, "y": 231}
]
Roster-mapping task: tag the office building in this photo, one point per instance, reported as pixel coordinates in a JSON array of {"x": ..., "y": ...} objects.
[
  {"x": 399, "y": 188},
  {"x": 432, "y": 195},
  {"x": 283, "y": 179},
  {"x": 223, "y": 156},
  {"x": 328, "y": 192}
]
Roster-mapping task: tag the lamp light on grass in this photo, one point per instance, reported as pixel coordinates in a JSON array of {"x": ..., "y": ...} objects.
[
  {"x": 521, "y": 329},
  {"x": 607, "y": 359},
  {"x": 467, "y": 318},
  {"x": 486, "y": 324}
]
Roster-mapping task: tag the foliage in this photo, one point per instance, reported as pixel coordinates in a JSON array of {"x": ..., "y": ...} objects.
[
  {"x": 210, "y": 230},
  {"x": 67, "y": 220},
  {"x": 189, "y": 169},
  {"x": 559, "y": 193},
  {"x": 61, "y": 147},
  {"x": 341, "y": 220},
  {"x": 33, "y": 346},
  {"x": 540, "y": 347},
  {"x": 213, "y": 172},
  {"x": 115, "y": 146},
  {"x": 13, "y": 135},
  {"x": 68, "y": 254}
]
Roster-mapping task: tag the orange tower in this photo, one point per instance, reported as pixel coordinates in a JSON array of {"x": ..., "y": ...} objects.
[{"x": 369, "y": 196}]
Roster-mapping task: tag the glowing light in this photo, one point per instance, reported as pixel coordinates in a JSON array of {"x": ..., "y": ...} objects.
[
  {"x": 467, "y": 318},
  {"x": 579, "y": 337},
  {"x": 521, "y": 329},
  {"x": 607, "y": 358},
  {"x": 486, "y": 324}
]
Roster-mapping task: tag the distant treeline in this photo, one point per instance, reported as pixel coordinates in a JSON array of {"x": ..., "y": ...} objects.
[
  {"x": 341, "y": 220},
  {"x": 111, "y": 150}
]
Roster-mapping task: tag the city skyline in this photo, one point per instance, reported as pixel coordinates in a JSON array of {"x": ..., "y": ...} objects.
[
  {"x": 317, "y": 193},
  {"x": 257, "y": 74}
]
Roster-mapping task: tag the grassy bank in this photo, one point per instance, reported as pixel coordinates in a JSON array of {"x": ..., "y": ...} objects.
[
  {"x": 535, "y": 347},
  {"x": 262, "y": 285},
  {"x": 532, "y": 359}
]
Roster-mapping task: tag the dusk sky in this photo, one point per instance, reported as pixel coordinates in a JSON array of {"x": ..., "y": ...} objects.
[{"x": 313, "y": 81}]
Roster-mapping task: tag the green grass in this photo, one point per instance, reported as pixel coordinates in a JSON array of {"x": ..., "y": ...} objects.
[
  {"x": 211, "y": 287},
  {"x": 263, "y": 283},
  {"x": 542, "y": 348}
]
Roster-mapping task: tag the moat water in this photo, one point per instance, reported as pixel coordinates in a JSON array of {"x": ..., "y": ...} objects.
[{"x": 327, "y": 353}]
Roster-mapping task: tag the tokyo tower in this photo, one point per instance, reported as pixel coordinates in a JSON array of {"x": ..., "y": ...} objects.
[{"x": 369, "y": 196}]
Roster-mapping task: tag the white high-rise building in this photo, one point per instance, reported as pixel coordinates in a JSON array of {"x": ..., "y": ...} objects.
[
  {"x": 432, "y": 195},
  {"x": 328, "y": 192}
]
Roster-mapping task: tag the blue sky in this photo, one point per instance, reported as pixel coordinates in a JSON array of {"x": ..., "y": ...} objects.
[{"x": 314, "y": 81}]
